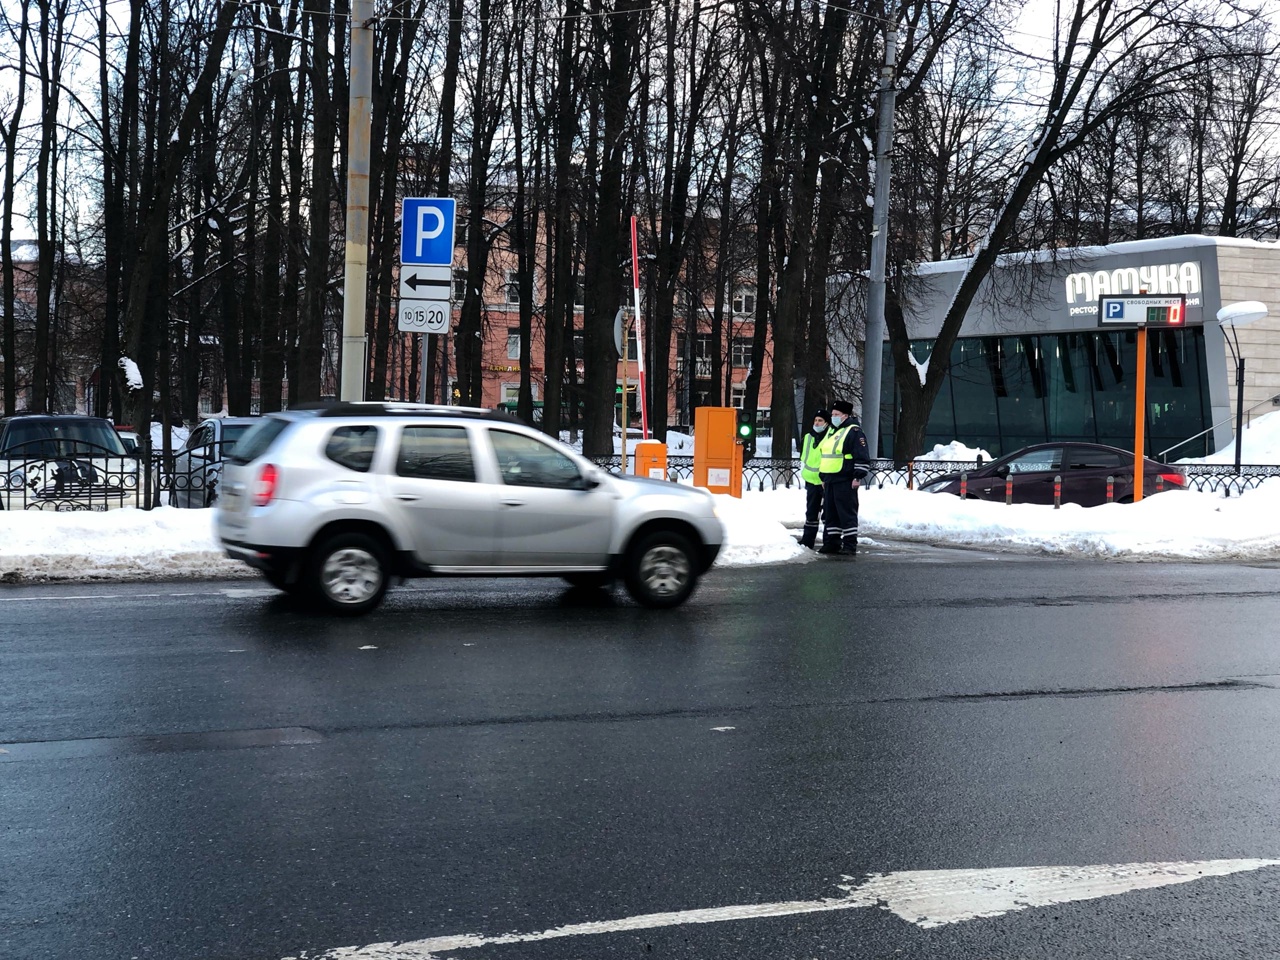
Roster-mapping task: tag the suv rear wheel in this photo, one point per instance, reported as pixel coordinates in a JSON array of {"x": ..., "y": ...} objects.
[
  {"x": 348, "y": 573},
  {"x": 661, "y": 569}
]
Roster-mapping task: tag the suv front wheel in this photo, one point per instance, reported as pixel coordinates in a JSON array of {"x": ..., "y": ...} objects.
[
  {"x": 660, "y": 569},
  {"x": 348, "y": 573}
]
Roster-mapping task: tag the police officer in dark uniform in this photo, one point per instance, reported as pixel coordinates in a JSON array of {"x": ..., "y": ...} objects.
[
  {"x": 845, "y": 462},
  {"x": 809, "y": 461}
]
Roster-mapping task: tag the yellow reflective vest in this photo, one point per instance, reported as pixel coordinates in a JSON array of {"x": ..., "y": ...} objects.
[
  {"x": 810, "y": 457},
  {"x": 831, "y": 455}
]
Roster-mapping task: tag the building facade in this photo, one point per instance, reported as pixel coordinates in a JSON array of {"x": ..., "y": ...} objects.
[{"x": 1032, "y": 364}]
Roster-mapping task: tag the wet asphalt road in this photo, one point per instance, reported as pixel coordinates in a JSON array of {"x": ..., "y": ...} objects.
[{"x": 207, "y": 771}]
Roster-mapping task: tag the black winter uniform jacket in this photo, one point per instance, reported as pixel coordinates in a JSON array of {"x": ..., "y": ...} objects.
[{"x": 858, "y": 462}]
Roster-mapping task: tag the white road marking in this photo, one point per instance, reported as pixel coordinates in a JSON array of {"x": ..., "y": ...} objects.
[
  {"x": 241, "y": 593},
  {"x": 927, "y": 898},
  {"x": 723, "y": 729},
  {"x": 369, "y": 647}
]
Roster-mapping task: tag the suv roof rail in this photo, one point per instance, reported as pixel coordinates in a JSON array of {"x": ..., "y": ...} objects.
[{"x": 398, "y": 408}]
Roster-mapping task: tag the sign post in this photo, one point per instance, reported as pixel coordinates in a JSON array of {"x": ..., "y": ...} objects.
[
  {"x": 426, "y": 270},
  {"x": 1140, "y": 311}
]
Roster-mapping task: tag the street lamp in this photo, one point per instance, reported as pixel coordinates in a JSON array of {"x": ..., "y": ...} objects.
[{"x": 1238, "y": 315}]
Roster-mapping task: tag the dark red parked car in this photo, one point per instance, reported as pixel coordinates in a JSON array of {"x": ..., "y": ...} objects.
[{"x": 1084, "y": 468}]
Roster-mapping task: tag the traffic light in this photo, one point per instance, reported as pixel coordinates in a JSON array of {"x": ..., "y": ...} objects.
[{"x": 746, "y": 426}]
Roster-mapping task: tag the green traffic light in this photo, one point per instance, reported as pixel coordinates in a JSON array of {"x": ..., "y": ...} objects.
[{"x": 744, "y": 429}]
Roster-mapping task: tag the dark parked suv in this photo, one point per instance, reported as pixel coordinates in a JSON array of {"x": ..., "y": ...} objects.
[
  {"x": 1083, "y": 467},
  {"x": 66, "y": 462}
]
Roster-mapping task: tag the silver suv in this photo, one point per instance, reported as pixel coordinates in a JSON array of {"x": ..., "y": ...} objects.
[{"x": 334, "y": 501}]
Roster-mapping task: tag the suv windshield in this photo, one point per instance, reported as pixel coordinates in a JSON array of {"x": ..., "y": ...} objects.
[
  {"x": 258, "y": 439},
  {"x": 61, "y": 437}
]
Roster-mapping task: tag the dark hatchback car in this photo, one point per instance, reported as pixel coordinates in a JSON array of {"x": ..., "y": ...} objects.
[{"x": 1084, "y": 468}]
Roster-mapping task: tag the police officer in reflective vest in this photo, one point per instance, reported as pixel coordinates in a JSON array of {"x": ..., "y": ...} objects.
[
  {"x": 844, "y": 461},
  {"x": 809, "y": 461}
]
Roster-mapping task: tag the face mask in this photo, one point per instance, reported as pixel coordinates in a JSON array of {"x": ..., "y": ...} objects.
[
  {"x": 819, "y": 427},
  {"x": 837, "y": 420}
]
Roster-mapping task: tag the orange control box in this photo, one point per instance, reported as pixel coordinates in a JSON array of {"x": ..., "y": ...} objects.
[
  {"x": 651, "y": 460},
  {"x": 717, "y": 455}
]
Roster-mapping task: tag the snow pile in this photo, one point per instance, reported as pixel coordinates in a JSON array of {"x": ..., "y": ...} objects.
[
  {"x": 124, "y": 544},
  {"x": 132, "y": 375},
  {"x": 1184, "y": 525},
  {"x": 167, "y": 542},
  {"x": 1260, "y": 444},
  {"x": 679, "y": 444},
  {"x": 955, "y": 450},
  {"x": 751, "y": 536}
]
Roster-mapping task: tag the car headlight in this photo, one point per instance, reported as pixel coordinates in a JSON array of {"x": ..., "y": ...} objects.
[
  {"x": 935, "y": 486},
  {"x": 16, "y": 480}
]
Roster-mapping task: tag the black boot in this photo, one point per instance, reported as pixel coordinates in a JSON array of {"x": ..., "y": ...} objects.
[
  {"x": 850, "y": 547},
  {"x": 831, "y": 546}
]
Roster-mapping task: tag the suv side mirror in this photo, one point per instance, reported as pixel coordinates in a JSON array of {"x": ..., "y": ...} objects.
[
  {"x": 1002, "y": 470},
  {"x": 591, "y": 479}
]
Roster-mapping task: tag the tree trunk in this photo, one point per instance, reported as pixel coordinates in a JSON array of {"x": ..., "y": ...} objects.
[
  {"x": 10, "y": 135},
  {"x": 154, "y": 251}
]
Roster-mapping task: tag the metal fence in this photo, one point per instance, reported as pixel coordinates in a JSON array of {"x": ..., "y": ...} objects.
[
  {"x": 79, "y": 476},
  {"x": 83, "y": 477},
  {"x": 760, "y": 474}
]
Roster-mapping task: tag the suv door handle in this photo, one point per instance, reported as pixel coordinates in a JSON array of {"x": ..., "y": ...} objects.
[
  {"x": 513, "y": 503},
  {"x": 407, "y": 496}
]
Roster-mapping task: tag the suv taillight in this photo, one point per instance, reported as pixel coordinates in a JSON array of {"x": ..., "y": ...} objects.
[
  {"x": 265, "y": 488},
  {"x": 1174, "y": 479}
]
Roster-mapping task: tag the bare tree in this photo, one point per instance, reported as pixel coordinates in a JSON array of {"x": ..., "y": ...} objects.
[{"x": 1094, "y": 40}]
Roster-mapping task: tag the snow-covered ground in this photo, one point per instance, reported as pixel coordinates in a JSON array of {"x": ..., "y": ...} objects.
[{"x": 759, "y": 528}]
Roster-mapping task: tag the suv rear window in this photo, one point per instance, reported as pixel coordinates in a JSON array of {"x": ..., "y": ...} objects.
[{"x": 259, "y": 439}]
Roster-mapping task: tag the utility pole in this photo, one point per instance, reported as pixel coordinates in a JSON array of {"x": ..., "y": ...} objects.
[
  {"x": 355, "y": 281},
  {"x": 873, "y": 353}
]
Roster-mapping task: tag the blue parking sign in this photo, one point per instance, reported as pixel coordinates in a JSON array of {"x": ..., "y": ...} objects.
[
  {"x": 426, "y": 231},
  {"x": 1115, "y": 310}
]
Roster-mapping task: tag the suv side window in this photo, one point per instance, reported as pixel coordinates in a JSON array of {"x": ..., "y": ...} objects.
[
  {"x": 528, "y": 462},
  {"x": 352, "y": 447},
  {"x": 436, "y": 453}
]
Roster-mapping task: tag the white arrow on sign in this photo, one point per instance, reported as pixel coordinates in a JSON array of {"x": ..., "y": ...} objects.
[
  {"x": 426, "y": 283},
  {"x": 927, "y": 898}
]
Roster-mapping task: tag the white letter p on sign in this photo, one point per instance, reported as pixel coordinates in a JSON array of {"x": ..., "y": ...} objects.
[{"x": 425, "y": 211}]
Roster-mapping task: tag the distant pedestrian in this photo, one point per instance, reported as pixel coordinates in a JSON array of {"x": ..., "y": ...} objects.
[
  {"x": 810, "y": 458},
  {"x": 844, "y": 461}
]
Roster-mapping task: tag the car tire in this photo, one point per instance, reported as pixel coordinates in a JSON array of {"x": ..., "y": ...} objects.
[
  {"x": 347, "y": 573},
  {"x": 589, "y": 581},
  {"x": 661, "y": 569}
]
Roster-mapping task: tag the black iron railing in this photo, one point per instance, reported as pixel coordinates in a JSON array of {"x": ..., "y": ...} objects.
[
  {"x": 81, "y": 476},
  {"x": 63, "y": 475},
  {"x": 759, "y": 474}
]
